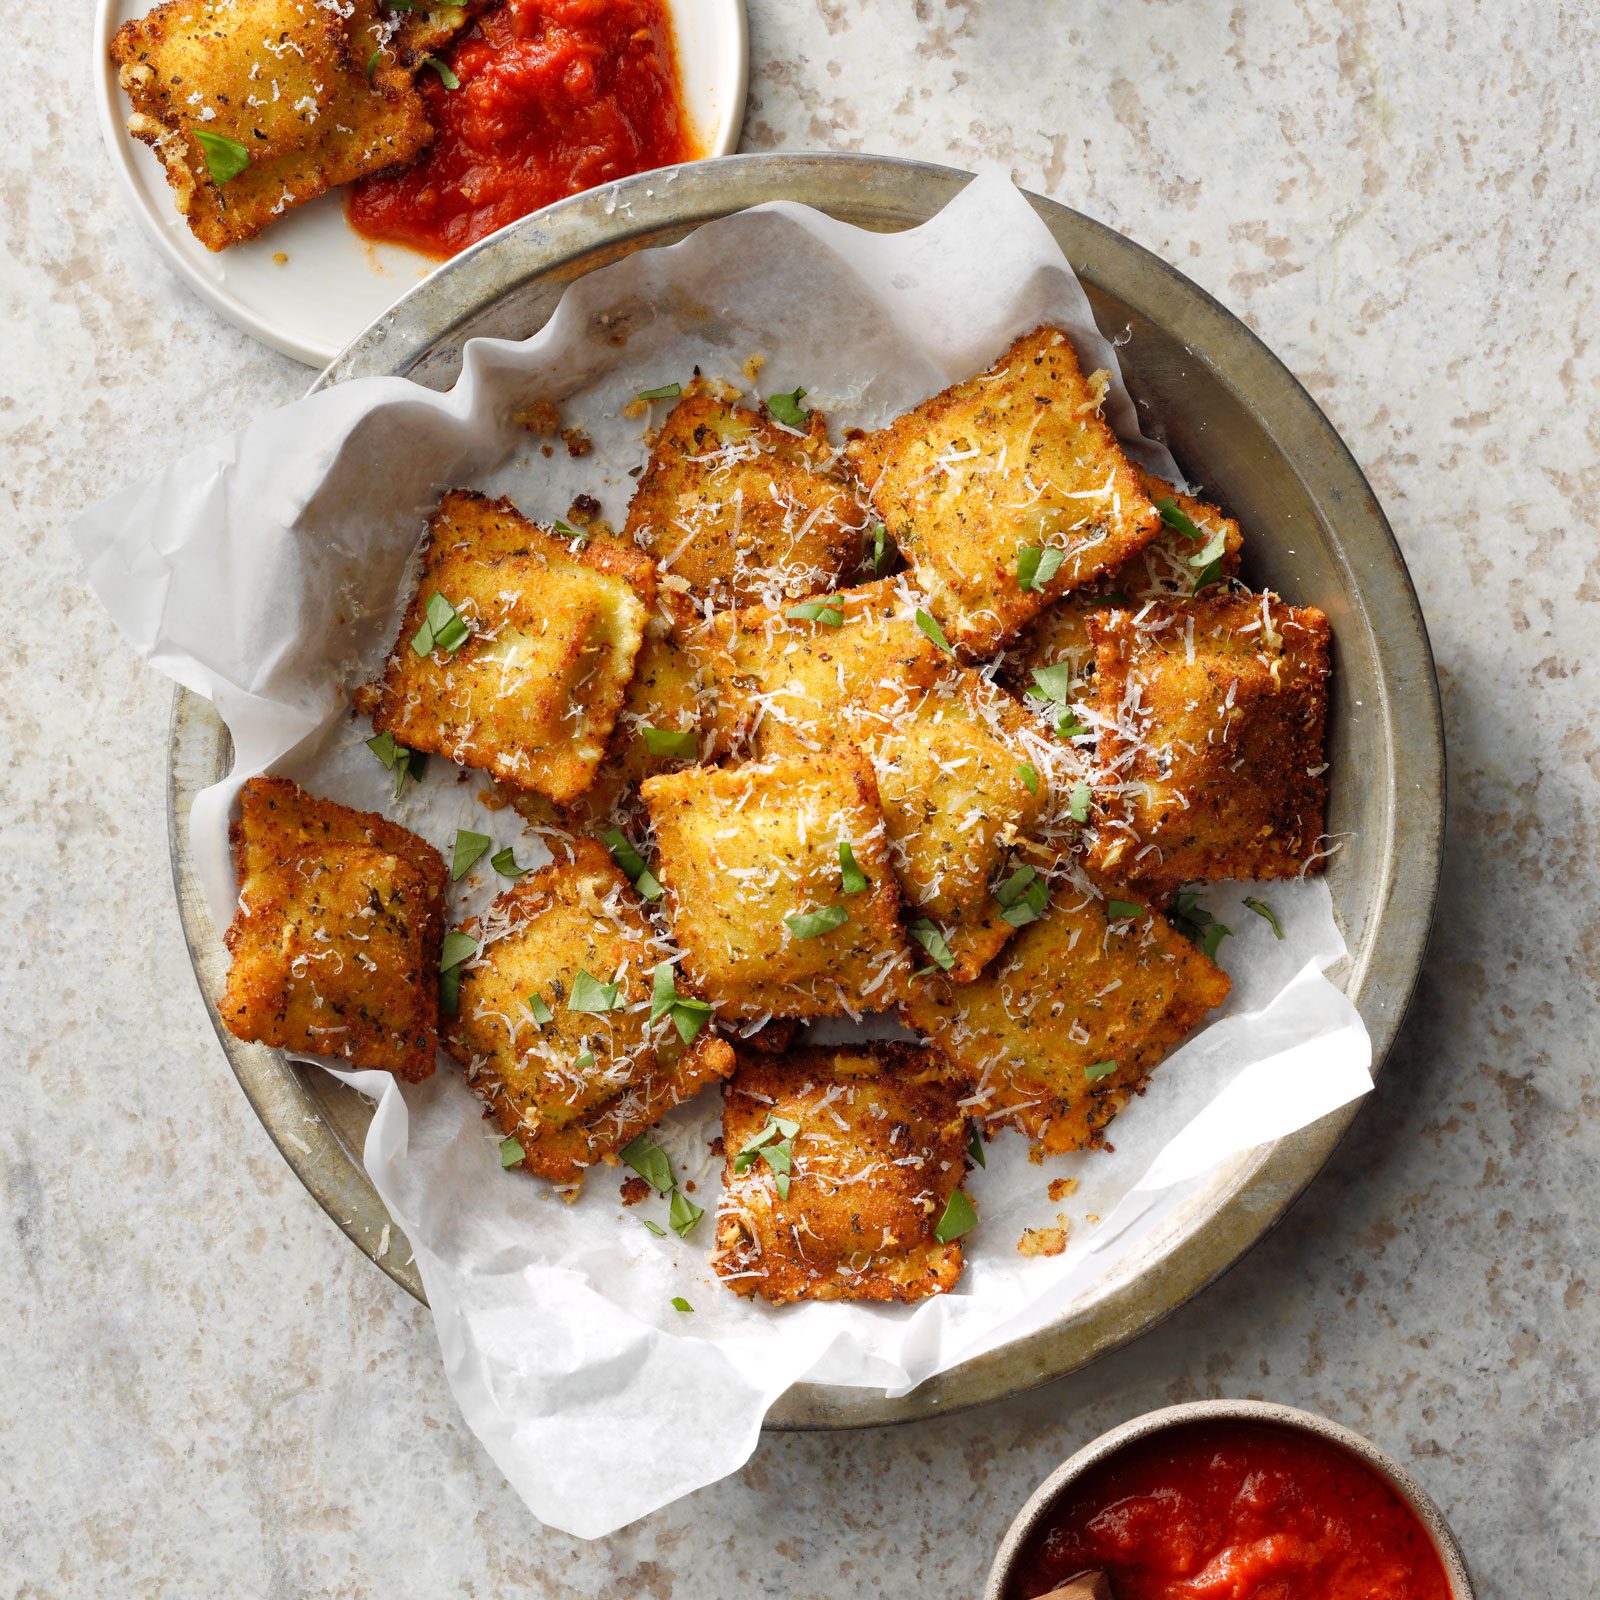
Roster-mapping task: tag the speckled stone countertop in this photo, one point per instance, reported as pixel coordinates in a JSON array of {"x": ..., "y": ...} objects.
[{"x": 206, "y": 1391}]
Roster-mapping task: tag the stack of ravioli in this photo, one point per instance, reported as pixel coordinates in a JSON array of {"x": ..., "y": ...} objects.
[{"x": 944, "y": 723}]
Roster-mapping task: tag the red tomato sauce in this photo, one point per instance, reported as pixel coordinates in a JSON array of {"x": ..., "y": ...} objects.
[
  {"x": 1234, "y": 1511},
  {"x": 556, "y": 96}
]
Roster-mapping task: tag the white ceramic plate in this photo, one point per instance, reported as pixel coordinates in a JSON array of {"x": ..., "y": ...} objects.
[{"x": 334, "y": 282}]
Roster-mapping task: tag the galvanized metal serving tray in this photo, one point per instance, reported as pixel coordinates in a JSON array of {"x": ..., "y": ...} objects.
[{"x": 1237, "y": 420}]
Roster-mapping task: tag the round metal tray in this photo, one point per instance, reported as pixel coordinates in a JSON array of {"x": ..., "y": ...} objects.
[{"x": 1238, "y": 421}]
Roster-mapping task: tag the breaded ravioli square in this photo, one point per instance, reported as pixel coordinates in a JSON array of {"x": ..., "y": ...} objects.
[
  {"x": 1071, "y": 1018},
  {"x": 1171, "y": 567},
  {"x": 1015, "y": 459},
  {"x": 771, "y": 919},
  {"x": 257, "y": 106},
  {"x": 532, "y": 690},
  {"x": 1211, "y": 718},
  {"x": 800, "y": 677},
  {"x": 959, "y": 791},
  {"x": 746, "y": 510},
  {"x": 839, "y": 1165},
  {"x": 553, "y": 1020},
  {"x": 335, "y": 943}
]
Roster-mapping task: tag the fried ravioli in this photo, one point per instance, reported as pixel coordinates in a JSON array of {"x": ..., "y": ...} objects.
[
  {"x": 956, "y": 798},
  {"x": 533, "y": 692},
  {"x": 335, "y": 943},
  {"x": 1168, "y": 568},
  {"x": 1212, "y": 717},
  {"x": 567, "y": 1065},
  {"x": 795, "y": 678},
  {"x": 1072, "y": 1017},
  {"x": 846, "y": 1206},
  {"x": 743, "y": 509},
  {"x": 760, "y": 896},
  {"x": 1016, "y": 458},
  {"x": 258, "y": 106}
]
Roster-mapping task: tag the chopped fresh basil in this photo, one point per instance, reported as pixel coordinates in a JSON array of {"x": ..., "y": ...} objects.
[
  {"x": 441, "y": 629},
  {"x": 1172, "y": 514},
  {"x": 1263, "y": 910},
  {"x": 1036, "y": 567},
  {"x": 457, "y": 948},
  {"x": 468, "y": 852},
  {"x": 828, "y": 612},
  {"x": 680, "y": 1304},
  {"x": 960, "y": 1216},
  {"x": 975, "y": 1146},
  {"x": 688, "y": 1015},
  {"x": 1029, "y": 775},
  {"x": 683, "y": 1214},
  {"x": 225, "y": 158},
  {"x": 930, "y": 626},
  {"x": 787, "y": 408},
  {"x": 446, "y": 76},
  {"x": 505, "y": 863},
  {"x": 681, "y": 742},
  {"x": 372, "y": 60},
  {"x": 1053, "y": 683},
  {"x": 585, "y": 1062},
  {"x": 667, "y": 391},
  {"x": 932, "y": 940},
  {"x": 1196, "y": 924},
  {"x": 1067, "y": 724},
  {"x": 632, "y": 863},
  {"x": 1096, "y": 1070},
  {"x": 1211, "y": 574},
  {"x": 1121, "y": 910},
  {"x": 1078, "y": 805},
  {"x": 567, "y": 531},
  {"x": 541, "y": 1012},
  {"x": 511, "y": 1154},
  {"x": 774, "y": 1144},
  {"x": 403, "y": 763},
  {"x": 1023, "y": 898},
  {"x": 592, "y": 997},
  {"x": 654, "y": 1227},
  {"x": 1216, "y": 547},
  {"x": 649, "y": 1160},
  {"x": 855, "y": 880},
  {"x": 810, "y": 924},
  {"x": 880, "y": 548}
]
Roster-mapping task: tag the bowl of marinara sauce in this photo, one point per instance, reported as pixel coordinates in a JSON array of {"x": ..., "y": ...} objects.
[{"x": 1232, "y": 1500}]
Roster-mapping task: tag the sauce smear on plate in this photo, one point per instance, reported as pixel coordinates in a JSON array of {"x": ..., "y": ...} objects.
[
  {"x": 1235, "y": 1511},
  {"x": 555, "y": 96}
]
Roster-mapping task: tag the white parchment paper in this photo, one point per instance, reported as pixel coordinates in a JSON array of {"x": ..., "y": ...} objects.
[{"x": 267, "y": 572}]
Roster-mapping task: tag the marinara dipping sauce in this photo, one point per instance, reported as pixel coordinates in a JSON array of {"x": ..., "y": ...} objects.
[
  {"x": 556, "y": 96},
  {"x": 1234, "y": 1511}
]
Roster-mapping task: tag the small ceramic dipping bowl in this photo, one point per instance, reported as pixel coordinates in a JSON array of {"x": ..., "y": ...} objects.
[{"x": 1037, "y": 1511}]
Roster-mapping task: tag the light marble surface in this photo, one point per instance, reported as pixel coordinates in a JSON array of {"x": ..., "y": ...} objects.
[{"x": 205, "y": 1391}]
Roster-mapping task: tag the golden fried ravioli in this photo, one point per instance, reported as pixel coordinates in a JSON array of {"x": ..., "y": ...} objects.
[
  {"x": 527, "y": 681},
  {"x": 335, "y": 943},
  {"x": 799, "y": 677},
  {"x": 780, "y": 887},
  {"x": 959, "y": 791},
  {"x": 257, "y": 106},
  {"x": 743, "y": 509},
  {"x": 1011, "y": 477},
  {"x": 1072, "y": 1016},
  {"x": 553, "y": 1022},
  {"x": 1170, "y": 567},
  {"x": 840, "y": 1165},
  {"x": 1212, "y": 717}
]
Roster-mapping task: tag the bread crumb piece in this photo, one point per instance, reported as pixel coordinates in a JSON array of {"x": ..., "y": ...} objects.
[
  {"x": 752, "y": 367},
  {"x": 540, "y": 419},
  {"x": 279, "y": 258},
  {"x": 634, "y": 1190},
  {"x": 1062, "y": 1189},
  {"x": 578, "y": 443},
  {"x": 1042, "y": 1241}
]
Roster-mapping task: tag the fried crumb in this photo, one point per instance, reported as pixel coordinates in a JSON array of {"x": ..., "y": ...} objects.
[
  {"x": 1091, "y": 1217},
  {"x": 1062, "y": 1188},
  {"x": 583, "y": 510},
  {"x": 578, "y": 443},
  {"x": 1042, "y": 1241},
  {"x": 752, "y": 367},
  {"x": 540, "y": 419},
  {"x": 635, "y": 408},
  {"x": 634, "y": 1190},
  {"x": 715, "y": 1145},
  {"x": 493, "y": 799},
  {"x": 280, "y": 258}
]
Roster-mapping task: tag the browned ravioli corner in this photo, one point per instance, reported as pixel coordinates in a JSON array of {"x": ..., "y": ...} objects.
[
  {"x": 1070, "y": 1020},
  {"x": 255, "y": 107},
  {"x": 559, "y": 1023},
  {"x": 1007, "y": 490},
  {"x": 335, "y": 943},
  {"x": 840, "y": 1168},
  {"x": 1213, "y": 717}
]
